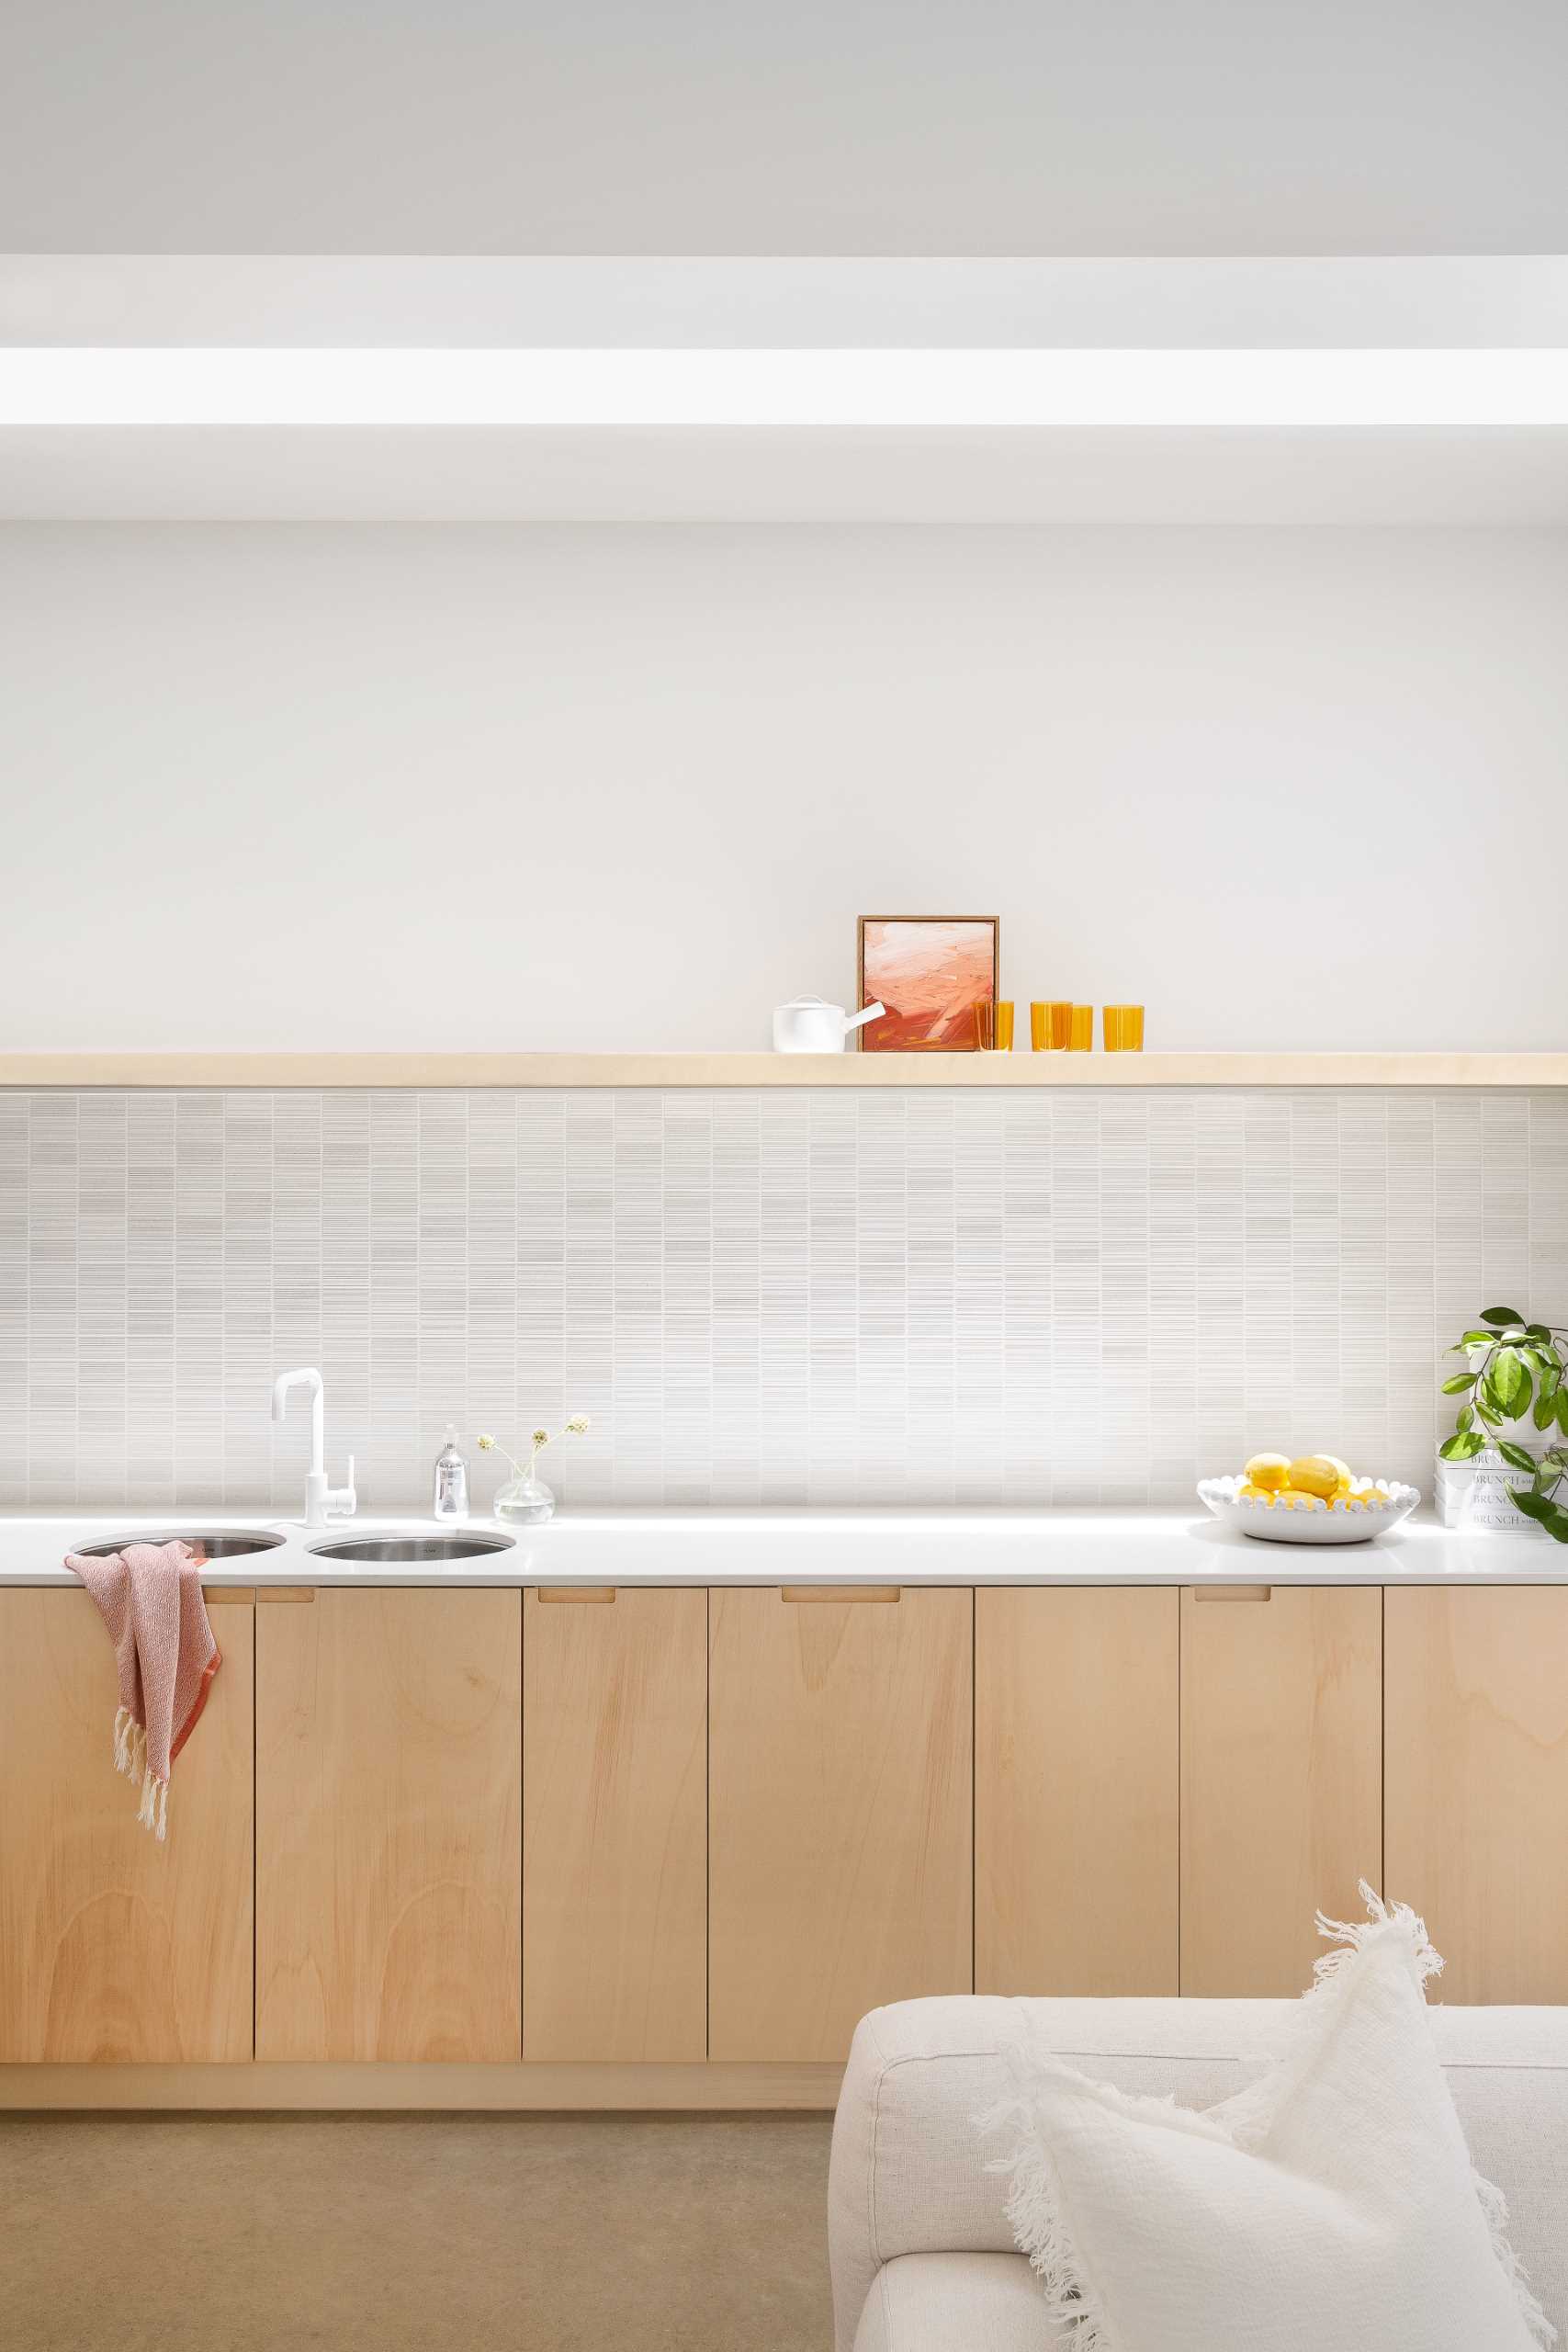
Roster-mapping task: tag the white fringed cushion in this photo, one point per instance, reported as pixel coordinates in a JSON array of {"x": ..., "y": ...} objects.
[{"x": 1330, "y": 2207}]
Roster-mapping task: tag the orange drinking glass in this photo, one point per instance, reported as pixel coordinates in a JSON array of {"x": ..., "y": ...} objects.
[
  {"x": 1080, "y": 1031},
  {"x": 1123, "y": 1028},
  {"x": 993, "y": 1028},
  {"x": 1050, "y": 1026}
]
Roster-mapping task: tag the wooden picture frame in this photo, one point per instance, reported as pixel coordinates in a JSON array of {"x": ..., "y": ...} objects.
[{"x": 955, "y": 969}]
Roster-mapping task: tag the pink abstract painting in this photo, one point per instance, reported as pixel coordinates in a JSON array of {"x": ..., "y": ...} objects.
[{"x": 930, "y": 971}]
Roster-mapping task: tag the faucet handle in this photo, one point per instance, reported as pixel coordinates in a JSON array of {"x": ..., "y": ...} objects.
[{"x": 343, "y": 1501}]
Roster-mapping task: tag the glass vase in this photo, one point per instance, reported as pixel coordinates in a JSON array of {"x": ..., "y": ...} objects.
[{"x": 526, "y": 1500}]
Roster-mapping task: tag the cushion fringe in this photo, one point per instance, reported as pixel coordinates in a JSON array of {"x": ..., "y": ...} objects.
[
  {"x": 1039, "y": 2225},
  {"x": 1494, "y": 2205},
  {"x": 1035, "y": 2204}
]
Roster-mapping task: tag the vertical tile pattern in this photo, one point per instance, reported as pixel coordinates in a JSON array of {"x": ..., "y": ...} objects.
[{"x": 887, "y": 1297}]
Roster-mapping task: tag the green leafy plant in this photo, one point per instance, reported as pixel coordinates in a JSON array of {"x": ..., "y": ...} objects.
[{"x": 1514, "y": 1368}]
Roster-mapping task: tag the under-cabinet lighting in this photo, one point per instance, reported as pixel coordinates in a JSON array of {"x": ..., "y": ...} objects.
[{"x": 1224, "y": 390}]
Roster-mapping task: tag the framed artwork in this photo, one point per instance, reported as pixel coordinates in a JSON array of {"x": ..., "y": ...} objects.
[{"x": 930, "y": 971}]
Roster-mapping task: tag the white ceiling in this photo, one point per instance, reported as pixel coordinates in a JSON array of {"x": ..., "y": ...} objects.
[
  {"x": 935, "y": 126},
  {"x": 1307, "y": 324}
]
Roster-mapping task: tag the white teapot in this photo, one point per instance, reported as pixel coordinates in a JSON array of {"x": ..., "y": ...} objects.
[{"x": 807, "y": 1025}]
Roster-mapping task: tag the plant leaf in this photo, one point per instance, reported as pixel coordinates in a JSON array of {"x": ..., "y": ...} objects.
[
  {"x": 1533, "y": 1506},
  {"x": 1562, "y": 1409},
  {"x": 1466, "y": 1418},
  {"x": 1544, "y": 1411},
  {"x": 1501, "y": 1315},
  {"x": 1460, "y": 1380},
  {"x": 1539, "y": 1334},
  {"x": 1511, "y": 1384},
  {"x": 1517, "y": 1457},
  {"x": 1463, "y": 1445},
  {"x": 1477, "y": 1339}
]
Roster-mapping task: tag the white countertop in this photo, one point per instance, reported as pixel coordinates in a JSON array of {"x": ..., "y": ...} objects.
[{"x": 774, "y": 1546}]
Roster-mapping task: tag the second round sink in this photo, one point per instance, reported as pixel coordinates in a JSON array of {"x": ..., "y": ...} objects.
[{"x": 415, "y": 1549}]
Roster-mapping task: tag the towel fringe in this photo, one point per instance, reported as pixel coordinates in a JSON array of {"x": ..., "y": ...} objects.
[
  {"x": 129, "y": 1745},
  {"x": 154, "y": 1811}
]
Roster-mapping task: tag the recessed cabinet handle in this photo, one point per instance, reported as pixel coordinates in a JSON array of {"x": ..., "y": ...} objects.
[
  {"x": 232, "y": 1595},
  {"x": 794, "y": 1592},
  {"x": 591, "y": 1592},
  {"x": 284, "y": 1592},
  {"x": 1233, "y": 1592}
]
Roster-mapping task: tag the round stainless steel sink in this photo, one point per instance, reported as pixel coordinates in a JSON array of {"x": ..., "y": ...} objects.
[
  {"x": 418, "y": 1550},
  {"x": 207, "y": 1542}
]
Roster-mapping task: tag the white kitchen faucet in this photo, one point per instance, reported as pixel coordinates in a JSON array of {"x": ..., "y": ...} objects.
[{"x": 322, "y": 1501}]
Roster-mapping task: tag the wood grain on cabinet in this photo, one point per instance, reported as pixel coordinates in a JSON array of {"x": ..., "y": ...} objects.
[
  {"x": 1281, "y": 1804},
  {"x": 839, "y": 1790},
  {"x": 615, "y": 1848},
  {"x": 1077, "y": 1767},
  {"x": 388, "y": 1827},
  {"x": 114, "y": 1948},
  {"x": 1476, "y": 1762}
]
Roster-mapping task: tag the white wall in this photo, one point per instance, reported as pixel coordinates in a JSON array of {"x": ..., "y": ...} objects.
[
  {"x": 520, "y": 787},
  {"x": 745, "y": 126}
]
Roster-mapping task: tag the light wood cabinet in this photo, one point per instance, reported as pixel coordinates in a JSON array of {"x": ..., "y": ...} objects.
[
  {"x": 114, "y": 1948},
  {"x": 1078, "y": 1762},
  {"x": 614, "y": 1811},
  {"x": 1476, "y": 1765},
  {"x": 647, "y": 1828},
  {"x": 840, "y": 1780},
  {"x": 388, "y": 1827},
  {"x": 1282, "y": 1798}
]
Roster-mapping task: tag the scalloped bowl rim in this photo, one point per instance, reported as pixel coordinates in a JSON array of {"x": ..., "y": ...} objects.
[{"x": 1288, "y": 1523}]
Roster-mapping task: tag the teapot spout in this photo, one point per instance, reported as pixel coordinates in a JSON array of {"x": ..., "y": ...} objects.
[{"x": 859, "y": 1020}]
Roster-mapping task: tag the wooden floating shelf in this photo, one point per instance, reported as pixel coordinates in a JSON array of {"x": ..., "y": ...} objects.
[{"x": 666, "y": 1070}]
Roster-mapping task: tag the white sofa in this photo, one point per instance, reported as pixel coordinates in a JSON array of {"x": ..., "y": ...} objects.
[{"x": 922, "y": 2257}]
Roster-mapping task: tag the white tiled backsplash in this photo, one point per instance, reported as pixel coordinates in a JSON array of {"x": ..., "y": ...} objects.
[{"x": 782, "y": 1296}]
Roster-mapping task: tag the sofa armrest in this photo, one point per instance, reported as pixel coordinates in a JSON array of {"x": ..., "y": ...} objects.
[
  {"x": 907, "y": 2172},
  {"x": 910, "y": 2172}
]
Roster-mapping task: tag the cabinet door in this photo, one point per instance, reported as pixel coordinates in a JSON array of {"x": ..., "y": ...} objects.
[
  {"x": 1077, "y": 1761},
  {"x": 1476, "y": 1757},
  {"x": 1281, "y": 1802},
  {"x": 388, "y": 1827},
  {"x": 840, "y": 1780},
  {"x": 614, "y": 1809},
  {"x": 112, "y": 1945}
]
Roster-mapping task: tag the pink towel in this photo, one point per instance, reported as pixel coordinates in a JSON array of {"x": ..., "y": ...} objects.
[{"x": 150, "y": 1597}]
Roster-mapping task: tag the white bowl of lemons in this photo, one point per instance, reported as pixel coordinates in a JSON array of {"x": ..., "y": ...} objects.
[{"x": 1317, "y": 1499}]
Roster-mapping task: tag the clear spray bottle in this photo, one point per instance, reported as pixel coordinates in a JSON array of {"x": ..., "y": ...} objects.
[{"x": 451, "y": 1495}]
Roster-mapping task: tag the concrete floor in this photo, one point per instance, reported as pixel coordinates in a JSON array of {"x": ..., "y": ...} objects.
[{"x": 414, "y": 2234}]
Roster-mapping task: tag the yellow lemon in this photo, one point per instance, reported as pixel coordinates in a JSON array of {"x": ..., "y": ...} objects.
[
  {"x": 1313, "y": 1474},
  {"x": 1342, "y": 1469},
  {"x": 1269, "y": 1471},
  {"x": 1252, "y": 1493}
]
